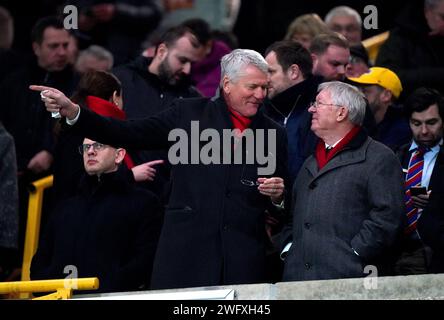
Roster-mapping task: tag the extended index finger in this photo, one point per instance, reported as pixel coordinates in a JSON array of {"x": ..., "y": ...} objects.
[
  {"x": 39, "y": 88},
  {"x": 152, "y": 163}
]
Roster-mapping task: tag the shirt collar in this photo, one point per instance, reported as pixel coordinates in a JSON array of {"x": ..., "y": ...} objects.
[{"x": 434, "y": 149}]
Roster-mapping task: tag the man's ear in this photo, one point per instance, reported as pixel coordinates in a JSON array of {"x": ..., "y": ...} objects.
[
  {"x": 314, "y": 58},
  {"x": 120, "y": 154},
  {"x": 162, "y": 51},
  {"x": 386, "y": 96},
  {"x": 341, "y": 114},
  {"x": 226, "y": 85},
  {"x": 294, "y": 72},
  {"x": 36, "y": 48}
]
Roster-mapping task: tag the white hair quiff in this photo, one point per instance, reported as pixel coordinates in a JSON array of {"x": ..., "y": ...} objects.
[
  {"x": 234, "y": 63},
  {"x": 348, "y": 96}
]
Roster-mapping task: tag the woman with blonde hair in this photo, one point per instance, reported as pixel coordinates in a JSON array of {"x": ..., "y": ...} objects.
[{"x": 305, "y": 27}]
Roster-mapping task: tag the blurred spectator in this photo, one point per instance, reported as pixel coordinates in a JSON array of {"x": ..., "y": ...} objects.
[
  {"x": 151, "y": 84},
  {"x": 10, "y": 60},
  {"x": 109, "y": 230},
  {"x": 415, "y": 47},
  {"x": 120, "y": 25},
  {"x": 304, "y": 28},
  {"x": 359, "y": 62},
  {"x": 422, "y": 161},
  {"x": 94, "y": 58},
  {"x": 345, "y": 21},
  {"x": 382, "y": 89},
  {"x": 22, "y": 111},
  {"x": 9, "y": 215},
  {"x": 205, "y": 73}
]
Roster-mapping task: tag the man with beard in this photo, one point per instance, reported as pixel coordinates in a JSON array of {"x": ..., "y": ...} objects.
[{"x": 150, "y": 85}]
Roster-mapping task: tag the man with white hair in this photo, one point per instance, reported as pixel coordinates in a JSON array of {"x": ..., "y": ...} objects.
[
  {"x": 347, "y": 200},
  {"x": 347, "y": 22},
  {"x": 214, "y": 226}
]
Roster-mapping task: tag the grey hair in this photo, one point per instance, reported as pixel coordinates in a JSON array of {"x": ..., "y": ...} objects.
[
  {"x": 98, "y": 52},
  {"x": 343, "y": 11},
  {"x": 431, "y": 3},
  {"x": 349, "y": 96},
  {"x": 234, "y": 63}
]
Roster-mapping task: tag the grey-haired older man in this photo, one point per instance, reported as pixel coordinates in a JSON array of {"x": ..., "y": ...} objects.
[
  {"x": 347, "y": 200},
  {"x": 214, "y": 227}
]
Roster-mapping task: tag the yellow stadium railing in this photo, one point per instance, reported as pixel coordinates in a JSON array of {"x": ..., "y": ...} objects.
[
  {"x": 373, "y": 44},
  {"x": 37, "y": 189},
  {"x": 62, "y": 287}
]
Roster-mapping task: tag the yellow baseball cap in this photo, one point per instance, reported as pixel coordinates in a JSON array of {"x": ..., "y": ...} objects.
[{"x": 383, "y": 77}]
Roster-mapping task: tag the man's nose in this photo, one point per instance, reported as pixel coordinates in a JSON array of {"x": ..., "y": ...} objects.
[
  {"x": 424, "y": 129},
  {"x": 341, "y": 69},
  {"x": 311, "y": 109},
  {"x": 260, "y": 93}
]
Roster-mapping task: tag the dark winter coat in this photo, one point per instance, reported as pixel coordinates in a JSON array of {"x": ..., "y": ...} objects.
[
  {"x": 109, "y": 230},
  {"x": 214, "y": 227}
]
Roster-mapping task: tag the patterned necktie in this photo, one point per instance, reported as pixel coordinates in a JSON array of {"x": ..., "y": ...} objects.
[{"x": 413, "y": 178}]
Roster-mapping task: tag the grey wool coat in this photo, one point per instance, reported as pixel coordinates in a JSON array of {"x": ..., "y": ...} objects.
[{"x": 354, "y": 203}]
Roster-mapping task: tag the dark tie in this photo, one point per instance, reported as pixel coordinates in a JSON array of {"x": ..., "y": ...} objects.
[{"x": 413, "y": 178}]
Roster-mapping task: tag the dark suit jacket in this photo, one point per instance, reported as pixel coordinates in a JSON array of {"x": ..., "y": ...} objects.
[
  {"x": 214, "y": 226},
  {"x": 431, "y": 222}
]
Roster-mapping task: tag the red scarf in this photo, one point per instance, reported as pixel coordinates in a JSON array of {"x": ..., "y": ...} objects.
[
  {"x": 323, "y": 158},
  {"x": 240, "y": 122},
  {"x": 108, "y": 109}
]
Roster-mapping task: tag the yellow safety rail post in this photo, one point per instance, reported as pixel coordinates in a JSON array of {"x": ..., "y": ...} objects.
[
  {"x": 37, "y": 189},
  {"x": 373, "y": 44},
  {"x": 63, "y": 287}
]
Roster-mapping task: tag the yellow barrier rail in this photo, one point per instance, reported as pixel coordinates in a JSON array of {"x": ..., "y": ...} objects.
[
  {"x": 37, "y": 188},
  {"x": 373, "y": 44},
  {"x": 63, "y": 287}
]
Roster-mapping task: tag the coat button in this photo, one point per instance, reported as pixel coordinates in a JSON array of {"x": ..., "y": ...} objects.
[
  {"x": 307, "y": 225},
  {"x": 312, "y": 185},
  {"x": 225, "y": 228},
  {"x": 308, "y": 266},
  {"x": 228, "y": 193}
]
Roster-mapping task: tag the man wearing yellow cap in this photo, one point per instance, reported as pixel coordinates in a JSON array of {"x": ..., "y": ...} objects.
[{"x": 382, "y": 89}]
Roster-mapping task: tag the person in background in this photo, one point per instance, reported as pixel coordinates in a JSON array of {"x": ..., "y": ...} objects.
[
  {"x": 359, "y": 62},
  {"x": 94, "y": 58},
  {"x": 100, "y": 92},
  {"x": 422, "y": 163},
  {"x": 382, "y": 89},
  {"x": 108, "y": 230},
  {"x": 304, "y": 28},
  {"x": 346, "y": 21},
  {"x": 119, "y": 26},
  {"x": 415, "y": 46},
  {"x": 205, "y": 73},
  {"x": 9, "y": 215}
]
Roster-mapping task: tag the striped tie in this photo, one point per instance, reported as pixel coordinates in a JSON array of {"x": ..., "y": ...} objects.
[{"x": 413, "y": 178}]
